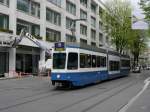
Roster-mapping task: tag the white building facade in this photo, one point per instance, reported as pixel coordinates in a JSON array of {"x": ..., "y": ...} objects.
[{"x": 49, "y": 21}]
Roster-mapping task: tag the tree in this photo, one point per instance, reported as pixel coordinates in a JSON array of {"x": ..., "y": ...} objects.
[
  {"x": 137, "y": 44},
  {"x": 117, "y": 23},
  {"x": 145, "y": 5}
]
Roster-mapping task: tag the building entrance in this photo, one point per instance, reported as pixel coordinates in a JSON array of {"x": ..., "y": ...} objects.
[
  {"x": 27, "y": 59},
  {"x": 3, "y": 63},
  {"x": 27, "y": 63}
]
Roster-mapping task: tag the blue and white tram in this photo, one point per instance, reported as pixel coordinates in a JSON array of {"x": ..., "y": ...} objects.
[{"x": 81, "y": 65}]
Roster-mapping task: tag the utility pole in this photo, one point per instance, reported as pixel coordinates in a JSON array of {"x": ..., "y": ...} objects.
[{"x": 72, "y": 29}]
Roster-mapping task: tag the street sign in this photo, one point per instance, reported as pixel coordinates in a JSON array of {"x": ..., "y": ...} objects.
[{"x": 59, "y": 46}]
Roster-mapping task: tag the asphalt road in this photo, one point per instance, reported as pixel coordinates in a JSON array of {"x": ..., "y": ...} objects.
[{"x": 36, "y": 94}]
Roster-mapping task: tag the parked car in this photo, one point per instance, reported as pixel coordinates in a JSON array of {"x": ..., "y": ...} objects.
[
  {"x": 136, "y": 69},
  {"x": 148, "y": 67}
]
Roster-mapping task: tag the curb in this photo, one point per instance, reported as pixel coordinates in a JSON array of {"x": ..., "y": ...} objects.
[{"x": 9, "y": 78}]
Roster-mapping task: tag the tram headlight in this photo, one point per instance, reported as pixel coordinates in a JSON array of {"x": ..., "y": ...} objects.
[{"x": 58, "y": 76}]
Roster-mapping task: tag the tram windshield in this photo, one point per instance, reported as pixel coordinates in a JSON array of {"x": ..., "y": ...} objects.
[
  {"x": 72, "y": 61},
  {"x": 59, "y": 60}
]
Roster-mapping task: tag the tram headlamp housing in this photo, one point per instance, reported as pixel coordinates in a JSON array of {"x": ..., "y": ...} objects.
[{"x": 58, "y": 76}]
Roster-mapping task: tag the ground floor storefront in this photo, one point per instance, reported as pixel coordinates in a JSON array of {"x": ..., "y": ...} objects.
[
  {"x": 27, "y": 59},
  {"x": 22, "y": 59},
  {"x": 4, "y": 62}
]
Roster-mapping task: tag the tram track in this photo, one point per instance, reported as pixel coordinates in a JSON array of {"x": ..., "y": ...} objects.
[
  {"x": 105, "y": 99},
  {"x": 51, "y": 93},
  {"x": 97, "y": 94},
  {"x": 30, "y": 99}
]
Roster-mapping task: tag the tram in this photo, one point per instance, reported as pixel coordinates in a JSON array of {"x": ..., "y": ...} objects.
[{"x": 79, "y": 65}]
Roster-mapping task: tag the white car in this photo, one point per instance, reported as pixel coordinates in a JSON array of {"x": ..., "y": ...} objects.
[
  {"x": 137, "y": 69},
  {"x": 148, "y": 67}
]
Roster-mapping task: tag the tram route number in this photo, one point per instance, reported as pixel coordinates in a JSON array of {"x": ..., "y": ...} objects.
[{"x": 59, "y": 46}]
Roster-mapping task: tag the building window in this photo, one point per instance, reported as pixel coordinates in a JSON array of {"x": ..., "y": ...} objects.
[
  {"x": 55, "y": 2},
  {"x": 107, "y": 39},
  {"x": 52, "y": 35},
  {"x": 29, "y": 6},
  {"x": 93, "y": 34},
  {"x": 35, "y": 9},
  {"x": 83, "y": 14},
  {"x": 53, "y": 17},
  {"x": 82, "y": 41},
  {"x": 4, "y": 21},
  {"x": 4, "y": 2},
  {"x": 93, "y": 44},
  {"x": 83, "y": 30},
  {"x": 100, "y": 25},
  {"x": 101, "y": 37},
  {"x": 100, "y": 11},
  {"x": 93, "y": 8},
  {"x": 83, "y": 2},
  {"x": 70, "y": 23},
  {"x": 70, "y": 7},
  {"x": 23, "y": 5},
  {"x": 70, "y": 38},
  {"x": 29, "y": 27},
  {"x": 93, "y": 21}
]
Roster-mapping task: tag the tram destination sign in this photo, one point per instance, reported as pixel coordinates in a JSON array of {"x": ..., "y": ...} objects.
[{"x": 59, "y": 46}]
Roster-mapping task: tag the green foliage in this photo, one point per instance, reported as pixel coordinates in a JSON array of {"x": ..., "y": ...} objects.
[
  {"x": 117, "y": 21},
  {"x": 137, "y": 44},
  {"x": 145, "y": 5}
]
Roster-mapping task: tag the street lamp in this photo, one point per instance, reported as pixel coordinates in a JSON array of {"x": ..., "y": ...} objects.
[{"x": 73, "y": 26}]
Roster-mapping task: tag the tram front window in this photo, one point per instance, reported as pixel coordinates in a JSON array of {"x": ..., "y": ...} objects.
[
  {"x": 72, "y": 61},
  {"x": 59, "y": 60}
]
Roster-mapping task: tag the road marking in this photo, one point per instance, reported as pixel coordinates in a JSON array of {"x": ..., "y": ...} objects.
[{"x": 125, "y": 108}]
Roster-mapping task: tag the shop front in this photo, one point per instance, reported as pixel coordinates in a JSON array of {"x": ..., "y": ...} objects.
[
  {"x": 27, "y": 59},
  {"x": 4, "y": 61}
]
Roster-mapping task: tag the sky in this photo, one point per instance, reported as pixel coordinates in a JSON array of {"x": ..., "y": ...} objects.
[{"x": 138, "y": 13}]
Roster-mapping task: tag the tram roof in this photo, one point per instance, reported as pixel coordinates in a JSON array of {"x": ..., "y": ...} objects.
[
  {"x": 126, "y": 56},
  {"x": 86, "y": 47},
  {"x": 113, "y": 53}
]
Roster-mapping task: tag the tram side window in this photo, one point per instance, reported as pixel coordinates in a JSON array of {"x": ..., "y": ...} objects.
[
  {"x": 114, "y": 65},
  {"x": 82, "y": 60},
  {"x": 102, "y": 61},
  {"x": 93, "y": 61},
  {"x": 89, "y": 61},
  {"x": 125, "y": 63},
  {"x": 111, "y": 65},
  {"x": 72, "y": 61},
  {"x": 98, "y": 61}
]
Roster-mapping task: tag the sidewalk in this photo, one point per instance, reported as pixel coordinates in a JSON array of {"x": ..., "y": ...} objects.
[{"x": 16, "y": 77}]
